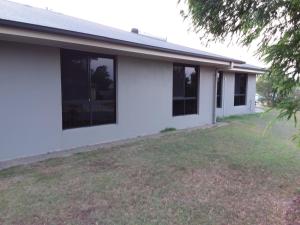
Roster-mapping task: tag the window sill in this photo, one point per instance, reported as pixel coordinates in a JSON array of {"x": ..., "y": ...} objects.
[
  {"x": 185, "y": 115},
  {"x": 239, "y": 105},
  {"x": 92, "y": 127}
]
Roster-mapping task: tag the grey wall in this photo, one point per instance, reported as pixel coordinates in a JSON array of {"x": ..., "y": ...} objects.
[
  {"x": 30, "y": 117},
  {"x": 30, "y": 96},
  {"x": 228, "y": 107}
]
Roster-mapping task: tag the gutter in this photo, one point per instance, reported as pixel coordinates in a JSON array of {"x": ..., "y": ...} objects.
[
  {"x": 253, "y": 71},
  {"x": 260, "y": 70}
]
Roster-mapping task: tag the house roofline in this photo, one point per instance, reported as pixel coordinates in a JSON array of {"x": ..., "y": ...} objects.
[
  {"x": 34, "y": 27},
  {"x": 261, "y": 70},
  {"x": 9, "y": 33},
  {"x": 245, "y": 70}
]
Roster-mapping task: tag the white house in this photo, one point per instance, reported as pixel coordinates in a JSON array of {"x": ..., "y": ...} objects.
[{"x": 67, "y": 82}]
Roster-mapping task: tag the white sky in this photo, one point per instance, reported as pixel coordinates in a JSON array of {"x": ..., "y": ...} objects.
[{"x": 158, "y": 17}]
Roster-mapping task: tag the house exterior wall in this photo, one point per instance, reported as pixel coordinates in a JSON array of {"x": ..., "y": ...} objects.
[
  {"x": 228, "y": 107},
  {"x": 30, "y": 97}
]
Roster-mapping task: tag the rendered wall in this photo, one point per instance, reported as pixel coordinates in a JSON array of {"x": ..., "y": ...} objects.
[
  {"x": 228, "y": 107},
  {"x": 30, "y": 97},
  {"x": 30, "y": 92}
]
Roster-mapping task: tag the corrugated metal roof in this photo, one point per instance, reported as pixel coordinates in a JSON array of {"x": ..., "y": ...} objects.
[{"x": 19, "y": 14}]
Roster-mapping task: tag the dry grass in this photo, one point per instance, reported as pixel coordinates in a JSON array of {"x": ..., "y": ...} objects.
[{"x": 229, "y": 175}]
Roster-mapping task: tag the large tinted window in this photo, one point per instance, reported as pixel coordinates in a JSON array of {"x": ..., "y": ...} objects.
[
  {"x": 219, "y": 89},
  {"x": 88, "y": 89},
  {"x": 102, "y": 90},
  {"x": 185, "y": 89},
  {"x": 240, "y": 89}
]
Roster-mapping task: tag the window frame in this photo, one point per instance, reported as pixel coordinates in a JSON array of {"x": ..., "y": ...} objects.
[
  {"x": 197, "y": 68},
  {"x": 90, "y": 55},
  {"x": 240, "y": 95}
]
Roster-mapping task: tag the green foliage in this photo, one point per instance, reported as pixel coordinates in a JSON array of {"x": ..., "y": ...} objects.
[
  {"x": 264, "y": 87},
  {"x": 168, "y": 129},
  {"x": 274, "y": 25}
]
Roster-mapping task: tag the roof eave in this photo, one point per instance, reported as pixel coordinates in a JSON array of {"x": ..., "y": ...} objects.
[
  {"x": 245, "y": 70},
  {"x": 108, "y": 40},
  {"x": 22, "y": 35}
]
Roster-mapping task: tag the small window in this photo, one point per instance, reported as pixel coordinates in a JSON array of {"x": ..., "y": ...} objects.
[
  {"x": 240, "y": 89},
  {"x": 185, "y": 90},
  {"x": 88, "y": 89},
  {"x": 219, "y": 89}
]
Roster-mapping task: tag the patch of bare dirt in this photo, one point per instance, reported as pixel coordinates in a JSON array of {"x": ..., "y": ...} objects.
[
  {"x": 6, "y": 183},
  {"x": 48, "y": 170},
  {"x": 84, "y": 214},
  {"x": 102, "y": 165},
  {"x": 37, "y": 220},
  {"x": 243, "y": 197},
  {"x": 292, "y": 215}
]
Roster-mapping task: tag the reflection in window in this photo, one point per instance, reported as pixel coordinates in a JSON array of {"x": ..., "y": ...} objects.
[
  {"x": 240, "y": 89},
  {"x": 102, "y": 91},
  {"x": 185, "y": 89},
  {"x": 88, "y": 89}
]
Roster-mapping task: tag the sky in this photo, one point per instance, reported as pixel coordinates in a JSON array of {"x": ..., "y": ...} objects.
[{"x": 156, "y": 17}]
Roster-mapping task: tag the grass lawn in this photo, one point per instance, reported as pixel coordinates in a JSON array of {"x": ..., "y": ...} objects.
[{"x": 221, "y": 176}]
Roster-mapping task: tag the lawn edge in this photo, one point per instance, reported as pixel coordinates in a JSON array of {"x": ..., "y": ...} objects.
[{"x": 69, "y": 152}]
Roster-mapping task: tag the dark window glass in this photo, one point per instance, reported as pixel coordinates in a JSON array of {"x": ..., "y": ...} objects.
[
  {"x": 75, "y": 90},
  {"x": 103, "y": 112},
  {"x": 185, "y": 89},
  {"x": 240, "y": 89},
  {"x": 75, "y": 77},
  {"x": 190, "y": 106},
  {"x": 88, "y": 89},
  {"x": 178, "y": 107},
  {"x": 178, "y": 81},
  {"x": 219, "y": 89},
  {"x": 76, "y": 114},
  {"x": 190, "y": 82},
  {"x": 102, "y": 90}
]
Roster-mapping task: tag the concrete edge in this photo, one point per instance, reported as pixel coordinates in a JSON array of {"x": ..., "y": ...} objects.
[{"x": 64, "y": 153}]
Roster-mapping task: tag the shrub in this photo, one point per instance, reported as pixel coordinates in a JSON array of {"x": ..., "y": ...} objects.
[{"x": 168, "y": 129}]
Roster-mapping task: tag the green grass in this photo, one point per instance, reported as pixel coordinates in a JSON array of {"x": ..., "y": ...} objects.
[{"x": 237, "y": 174}]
